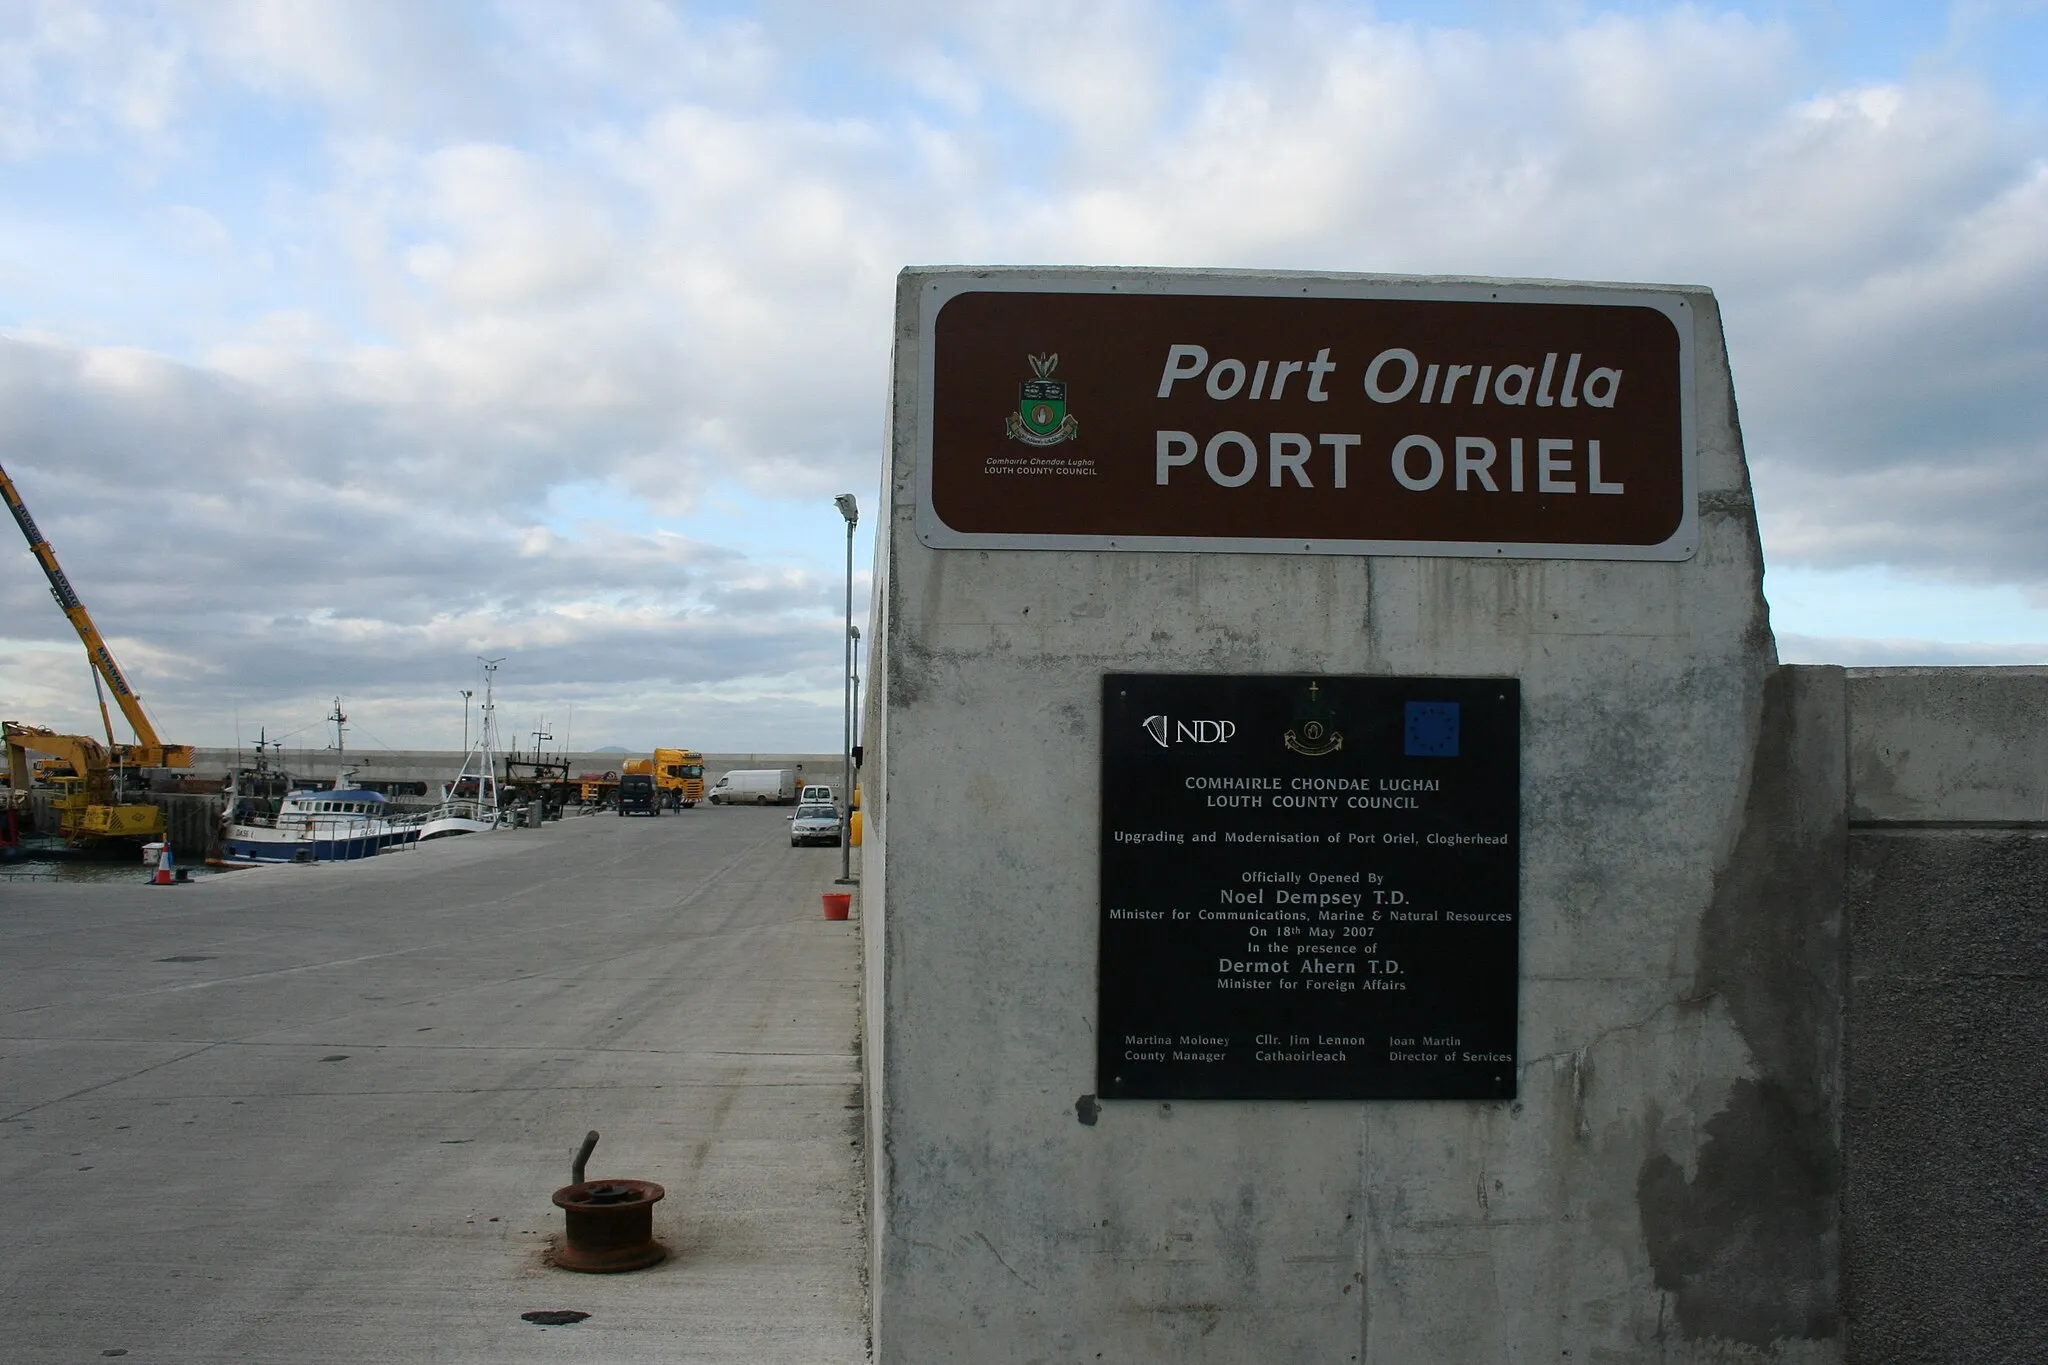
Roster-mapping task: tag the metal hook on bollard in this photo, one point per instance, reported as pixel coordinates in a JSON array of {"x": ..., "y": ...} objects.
[{"x": 583, "y": 1157}]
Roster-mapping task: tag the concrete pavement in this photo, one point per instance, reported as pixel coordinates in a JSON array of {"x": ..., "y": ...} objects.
[{"x": 315, "y": 1113}]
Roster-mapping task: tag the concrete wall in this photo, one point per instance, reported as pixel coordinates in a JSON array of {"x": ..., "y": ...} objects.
[
  {"x": 434, "y": 766},
  {"x": 189, "y": 821},
  {"x": 1945, "y": 1133},
  {"x": 1665, "y": 1186}
]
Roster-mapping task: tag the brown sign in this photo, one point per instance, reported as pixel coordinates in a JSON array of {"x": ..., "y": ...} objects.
[{"x": 1094, "y": 412}]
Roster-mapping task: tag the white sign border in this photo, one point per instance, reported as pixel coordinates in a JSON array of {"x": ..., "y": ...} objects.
[{"x": 942, "y": 287}]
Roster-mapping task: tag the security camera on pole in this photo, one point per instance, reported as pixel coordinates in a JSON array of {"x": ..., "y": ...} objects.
[{"x": 851, "y": 512}]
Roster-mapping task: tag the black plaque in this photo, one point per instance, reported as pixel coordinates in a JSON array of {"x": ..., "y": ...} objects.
[{"x": 1309, "y": 887}]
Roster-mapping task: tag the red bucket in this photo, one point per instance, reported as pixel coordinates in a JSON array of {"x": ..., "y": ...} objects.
[{"x": 838, "y": 904}]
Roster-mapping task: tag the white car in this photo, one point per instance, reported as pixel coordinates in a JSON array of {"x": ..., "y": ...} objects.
[{"x": 814, "y": 824}]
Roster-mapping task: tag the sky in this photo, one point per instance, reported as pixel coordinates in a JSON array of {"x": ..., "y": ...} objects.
[{"x": 346, "y": 342}]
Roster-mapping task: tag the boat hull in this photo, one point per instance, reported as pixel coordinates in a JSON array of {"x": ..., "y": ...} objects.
[
  {"x": 445, "y": 826},
  {"x": 259, "y": 846}
]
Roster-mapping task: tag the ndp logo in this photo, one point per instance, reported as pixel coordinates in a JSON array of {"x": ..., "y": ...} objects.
[{"x": 1166, "y": 733}]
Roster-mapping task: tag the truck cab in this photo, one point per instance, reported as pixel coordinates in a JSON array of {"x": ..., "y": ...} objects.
[{"x": 680, "y": 775}]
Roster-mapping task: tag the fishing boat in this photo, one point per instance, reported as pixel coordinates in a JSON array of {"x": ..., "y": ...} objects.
[
  {"x": 318, "y": 826},
  {"x": 308, "y": 825},
  {"x": 472, "y": 802}
]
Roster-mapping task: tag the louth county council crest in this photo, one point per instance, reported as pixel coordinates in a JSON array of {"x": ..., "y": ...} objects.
[
  {"x": 1041, "y": 418},
  {"x": 1314, "y": 732}
]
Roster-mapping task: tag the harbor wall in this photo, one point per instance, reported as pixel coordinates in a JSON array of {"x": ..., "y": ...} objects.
[
  {"x": 1784, "y": 939},
  {"x": 189, "y": 820},
  {"x": 1945, "y": 1115},
  {"x": 435, "y": 766}
]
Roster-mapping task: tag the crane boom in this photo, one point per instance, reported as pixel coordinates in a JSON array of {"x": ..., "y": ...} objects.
[{"x": 149, "y": 751}]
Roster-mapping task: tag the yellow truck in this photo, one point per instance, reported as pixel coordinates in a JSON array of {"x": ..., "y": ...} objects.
[{"x": 678, "y": 774}]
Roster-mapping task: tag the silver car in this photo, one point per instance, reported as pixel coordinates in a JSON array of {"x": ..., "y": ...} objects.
[{"x": 814, "y": 825}]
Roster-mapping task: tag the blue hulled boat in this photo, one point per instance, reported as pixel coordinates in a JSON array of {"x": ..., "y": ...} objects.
[
  {"x": 318, "y": 826},
  {"x": 311, "y": 825}
]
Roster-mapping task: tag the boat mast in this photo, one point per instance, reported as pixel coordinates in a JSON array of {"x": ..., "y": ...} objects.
[
  {"x": 340, "y": 749},
  {"x": 487, "y": 776}
]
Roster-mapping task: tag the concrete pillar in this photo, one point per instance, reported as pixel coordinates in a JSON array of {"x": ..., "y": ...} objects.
[{"x": 1676, "y": 1045}]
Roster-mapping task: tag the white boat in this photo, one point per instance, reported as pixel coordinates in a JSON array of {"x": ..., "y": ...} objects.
[
  {"x": 472, "y": 803},
  {"x": 320, "y": 825},
  {"x": 311, "y": 825},
  {"x": 469, "y": 805}
]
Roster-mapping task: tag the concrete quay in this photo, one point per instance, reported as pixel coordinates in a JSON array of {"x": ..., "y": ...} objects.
[{"x": 315, "y": 1113}]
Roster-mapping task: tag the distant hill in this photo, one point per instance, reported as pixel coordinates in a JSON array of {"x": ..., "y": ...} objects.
[{"x": 609, "y": 749}]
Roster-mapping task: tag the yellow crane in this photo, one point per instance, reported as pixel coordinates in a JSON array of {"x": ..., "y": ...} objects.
[
  {"x": 148, "y": 751},
  {"x": 89, "y": 803}
]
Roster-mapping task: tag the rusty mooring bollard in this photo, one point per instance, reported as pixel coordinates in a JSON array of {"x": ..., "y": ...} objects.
[{"x": 611, "y": 1222}]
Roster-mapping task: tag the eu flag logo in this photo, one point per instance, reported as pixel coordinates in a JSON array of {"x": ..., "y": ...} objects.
[{"x": 1431, "y": 729}]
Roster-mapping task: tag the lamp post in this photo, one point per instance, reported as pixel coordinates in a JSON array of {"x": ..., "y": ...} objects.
[
  {"x": 466, "y": 695},
  {"x": 849, "y": 510}
]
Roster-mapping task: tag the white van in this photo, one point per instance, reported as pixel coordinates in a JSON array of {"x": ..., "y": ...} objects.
[
  {"x": 755, "y": 787},
  {"x": 816, "y": 792}
]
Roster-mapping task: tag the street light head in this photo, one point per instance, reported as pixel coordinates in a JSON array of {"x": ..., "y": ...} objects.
[
  {"x": 847, "y": 508},
  {"x": 854, "y": 631}
]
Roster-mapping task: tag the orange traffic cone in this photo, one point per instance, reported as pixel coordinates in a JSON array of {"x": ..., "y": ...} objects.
[{"x": 163, "y": 865}]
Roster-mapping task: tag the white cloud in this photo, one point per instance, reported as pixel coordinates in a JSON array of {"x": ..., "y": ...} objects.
[
  {"x": 548, "y": 245},
  {"x": 73, "y": 78}
]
